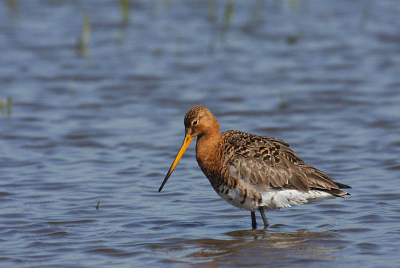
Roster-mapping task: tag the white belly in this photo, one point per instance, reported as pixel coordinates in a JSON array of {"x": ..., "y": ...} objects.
[
  {"x": 286, "y": 198},
  {"x": 272, "y": 199},
  {"x": 235, "y": 198}
]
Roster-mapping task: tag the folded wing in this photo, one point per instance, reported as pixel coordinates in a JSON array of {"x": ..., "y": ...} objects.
[{"x": 268, "y": 163}]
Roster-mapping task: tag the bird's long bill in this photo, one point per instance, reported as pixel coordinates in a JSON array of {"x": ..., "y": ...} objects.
[{"x": 188, "y": 139}]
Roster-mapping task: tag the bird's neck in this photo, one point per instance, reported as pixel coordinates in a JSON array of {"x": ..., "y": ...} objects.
[{"x": 208, "y": 151}]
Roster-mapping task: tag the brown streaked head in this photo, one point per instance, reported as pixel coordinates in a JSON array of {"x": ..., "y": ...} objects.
[{"x": 198, "y": 121}]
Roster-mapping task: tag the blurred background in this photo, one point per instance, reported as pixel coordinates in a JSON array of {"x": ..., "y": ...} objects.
[{"x": 93, "y": 95}]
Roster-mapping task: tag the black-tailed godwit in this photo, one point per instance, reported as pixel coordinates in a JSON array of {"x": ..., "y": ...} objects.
[{"x": 252, "y": 172}]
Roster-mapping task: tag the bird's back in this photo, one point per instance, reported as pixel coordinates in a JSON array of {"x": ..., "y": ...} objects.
[{"x": 261, "y": 169}]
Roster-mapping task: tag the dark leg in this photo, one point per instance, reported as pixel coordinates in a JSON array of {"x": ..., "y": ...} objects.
[
  {"x": 263, "y": 217},
  {"x": 253, "y": 220}
]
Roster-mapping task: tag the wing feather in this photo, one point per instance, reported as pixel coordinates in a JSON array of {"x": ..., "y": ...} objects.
[{"x": 266, "y": 163}]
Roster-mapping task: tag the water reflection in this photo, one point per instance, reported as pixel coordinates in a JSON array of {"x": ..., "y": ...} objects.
[{"x": 257, "y": 247}]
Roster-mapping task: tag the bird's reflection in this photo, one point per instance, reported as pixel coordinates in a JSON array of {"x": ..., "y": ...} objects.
[{"x": 262, "y": 247}]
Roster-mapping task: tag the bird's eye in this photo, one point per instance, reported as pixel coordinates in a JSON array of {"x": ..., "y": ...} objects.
[{"x": 195, "y": 122}]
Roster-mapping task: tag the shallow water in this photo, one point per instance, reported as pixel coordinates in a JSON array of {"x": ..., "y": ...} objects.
[{"x": 101, "y": 130}]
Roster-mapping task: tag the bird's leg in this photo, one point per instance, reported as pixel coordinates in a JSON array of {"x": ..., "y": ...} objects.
[
  {"x": 263, "y": 217},
  {"x": 253, "y": 220}
]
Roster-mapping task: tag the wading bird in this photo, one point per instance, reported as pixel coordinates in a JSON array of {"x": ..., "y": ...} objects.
[{"x": 252, "y": 172}]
